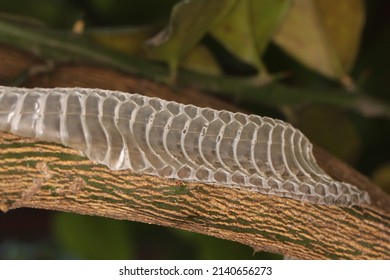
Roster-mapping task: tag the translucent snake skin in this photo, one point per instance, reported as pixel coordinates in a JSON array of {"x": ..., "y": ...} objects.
[{"x": 171, "y": 140}]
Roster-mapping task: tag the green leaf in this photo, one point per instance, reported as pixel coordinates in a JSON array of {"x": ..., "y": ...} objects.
[
  {"x": 323, "y": 35},
  {"x": 190, "y": 20},
  {"x": 267, "y": 15},
  {"x": 90, "y": 237},
  {"x": 235, "y": 33},
  {"x": 201, "y": 60},
  {"x": 248, "y": 28}
]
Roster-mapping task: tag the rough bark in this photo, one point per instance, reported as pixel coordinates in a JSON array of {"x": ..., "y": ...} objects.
[{"x": 49, "y": 176}]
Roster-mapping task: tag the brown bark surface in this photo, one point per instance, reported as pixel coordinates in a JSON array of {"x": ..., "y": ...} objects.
[{"x": 43, "y": 175}]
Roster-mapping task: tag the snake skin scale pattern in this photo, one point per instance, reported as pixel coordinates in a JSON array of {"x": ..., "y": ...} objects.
[{"x": 171, "y": 140}]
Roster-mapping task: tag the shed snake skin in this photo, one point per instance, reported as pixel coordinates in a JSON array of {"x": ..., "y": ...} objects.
[{"x": 171, "y": 140}]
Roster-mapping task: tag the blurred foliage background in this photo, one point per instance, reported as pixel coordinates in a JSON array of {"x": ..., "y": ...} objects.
[{"x": 313, "y": 44}]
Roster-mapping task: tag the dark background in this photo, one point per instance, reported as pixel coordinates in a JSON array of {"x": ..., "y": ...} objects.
[{"x": 40, "y": 234}]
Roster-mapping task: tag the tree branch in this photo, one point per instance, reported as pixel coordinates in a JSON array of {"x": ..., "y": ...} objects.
[{"x": 49, "y": 176}]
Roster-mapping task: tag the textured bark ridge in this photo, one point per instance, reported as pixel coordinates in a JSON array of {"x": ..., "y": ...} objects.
[{"x": 171, "y": 140}]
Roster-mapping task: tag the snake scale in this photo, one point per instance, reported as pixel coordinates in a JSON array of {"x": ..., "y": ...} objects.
[{"x": 171, "y": 140}]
